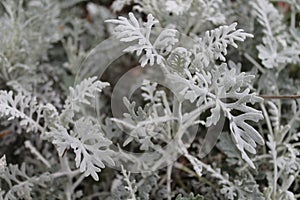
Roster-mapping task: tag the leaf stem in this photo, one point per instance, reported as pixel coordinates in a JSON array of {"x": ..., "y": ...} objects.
[
  {"x": 280, "y": 96},
  {"x": 169, "y": 172}
]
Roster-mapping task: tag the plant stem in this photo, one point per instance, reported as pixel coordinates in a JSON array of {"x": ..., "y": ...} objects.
[
  {"x": 256, "y": 64},
  {"x": 169, "y": 172},
  {"x": 130, "y": 188},
  {"x": 273, "y": 149},
  {"x": 280, "y": 96}
]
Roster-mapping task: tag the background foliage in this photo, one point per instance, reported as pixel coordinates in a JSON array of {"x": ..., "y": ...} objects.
[{"x": 194, "y": 63}]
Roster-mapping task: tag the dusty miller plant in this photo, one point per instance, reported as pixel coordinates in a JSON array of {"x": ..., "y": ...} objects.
[{"x": 228, "y": 68}]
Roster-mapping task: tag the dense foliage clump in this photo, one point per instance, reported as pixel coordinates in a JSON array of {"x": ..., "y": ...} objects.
[{"x": 149, "y": 99}]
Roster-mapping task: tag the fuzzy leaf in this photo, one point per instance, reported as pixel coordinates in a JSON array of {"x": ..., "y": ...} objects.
[
  {"x": 131, "y": 30},
  {"x": 90, "y": 146}
]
